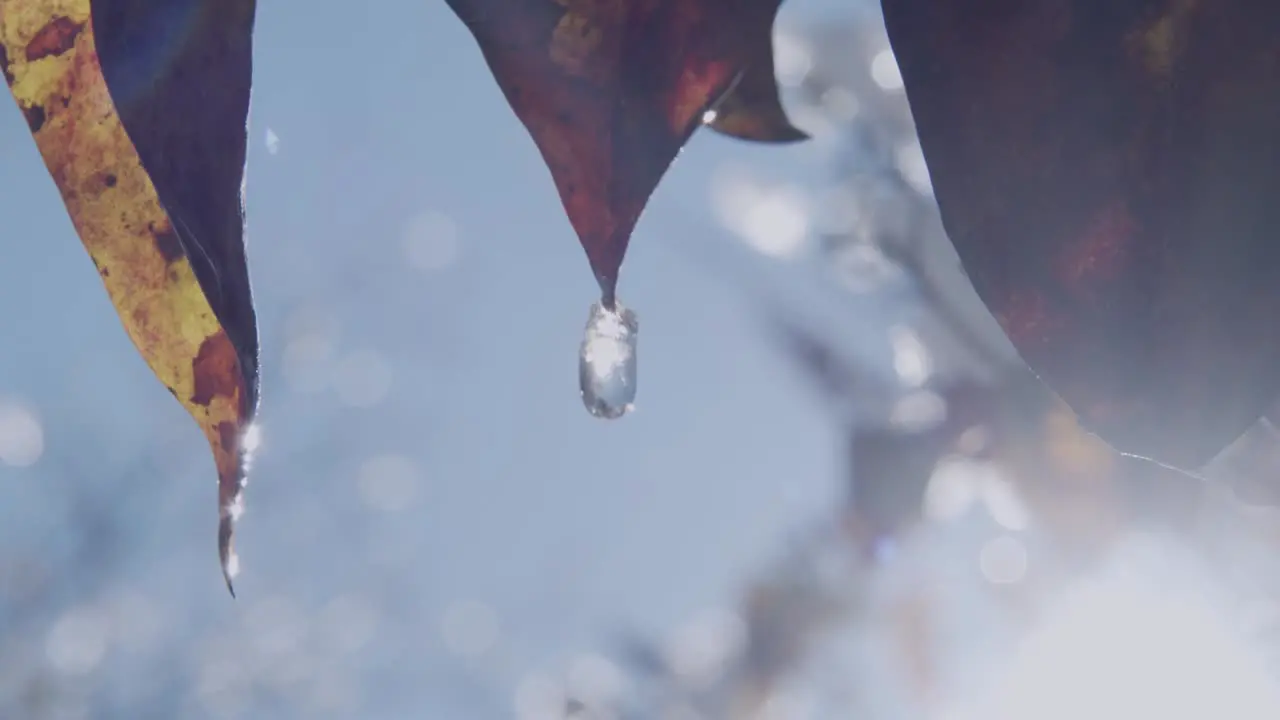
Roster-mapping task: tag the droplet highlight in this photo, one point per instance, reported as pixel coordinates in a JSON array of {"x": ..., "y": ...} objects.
[{"x": 607, "y": 361}]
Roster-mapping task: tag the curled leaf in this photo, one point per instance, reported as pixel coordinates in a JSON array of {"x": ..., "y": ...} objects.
[
  {"x": 161, "y": 214},
  {"x": 751, "y": 109},
  {"x": 610, "y": 90},
  {"x": 1107, "y": 174}
]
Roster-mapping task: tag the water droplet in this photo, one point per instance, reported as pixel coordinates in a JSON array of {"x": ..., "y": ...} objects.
[{"x": 607, "y": 361}]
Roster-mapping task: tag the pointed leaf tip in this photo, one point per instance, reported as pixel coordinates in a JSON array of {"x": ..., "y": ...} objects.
[
  {"x": 232, "y": 448},
  {"x": 226, "y": 551},
  {"x": 150, "y": 167},
  {"x": 611, "y": 90}
]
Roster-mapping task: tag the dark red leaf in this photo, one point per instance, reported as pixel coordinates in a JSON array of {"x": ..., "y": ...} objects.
[
  {"x": 1107, "y": 172},
  {"x": 611, "y": 90}
]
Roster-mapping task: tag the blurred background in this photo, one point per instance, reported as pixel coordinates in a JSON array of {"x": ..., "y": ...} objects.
[{"x": 838, "y": 497}]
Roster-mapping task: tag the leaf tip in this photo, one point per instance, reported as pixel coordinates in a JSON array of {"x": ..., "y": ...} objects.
[
  {"x": 226, "y": 550},
  {"x": 232, "y": 478},
  {"x": 754, "y": 117}
]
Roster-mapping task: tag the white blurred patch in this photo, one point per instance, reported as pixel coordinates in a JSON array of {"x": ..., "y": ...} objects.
[
  {"x": 911, "y": 360},
  {"x": 953, "y": 487},
  {"x": 311, "y": 341},
  {"x": 278, "y": 629},
  {"x": 595, "y": 680},
  {"x": 21, "y": 435},
  {"x": 777, "y": 223},
  {"x": 918, "y": 411},
  {"x": 909, "y": 158},
  {"x": 222, "y": 683},
  {"x": 252, "y": 438},
  {"x": 469, "y": 628},
  {"x": 539, "y": 697},
  {"x": 136, "y": 622},
  {"x": 276, "y": 626},
  {"x": 362, "y": 379},
  {"x": 272, "y": 141},
  {"x": 699, "y": 650},
  {"x": 958, "y": 483},
  {"x": 862, "y": 266},
  {"x": 1004, "y": 503},
  {"x": 774, "y": 221},
  {"x": 1003, "y": 560},
  {"x": 347, "y": 624},
  {"x": 389, "y": 482},
  {"x": 335, "y": 692},
  {"x": 792, "y": 57},
  {"x": 431, "y": 241},
  {"x": 233, "y": 565},
  {"x": 1258, "y": 615},
  {"x": 840, "y": 104},
  {"x": 884, "y": 70},
  {"x": 1140, "y": 638},
  {"x": 77, "y": 642},
  {"x": 787, "y": 704}
]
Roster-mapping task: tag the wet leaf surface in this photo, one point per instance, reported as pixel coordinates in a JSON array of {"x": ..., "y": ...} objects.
[
  {"x": 610, "y": 91},
  {"x": 161, "y": 215},
  {"x": 1106, "y": 172}
]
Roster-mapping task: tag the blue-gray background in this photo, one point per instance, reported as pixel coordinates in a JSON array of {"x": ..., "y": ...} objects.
[{"x": 433, "y": 514}]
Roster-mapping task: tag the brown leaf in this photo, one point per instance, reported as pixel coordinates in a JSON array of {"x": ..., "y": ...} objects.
[
  {"x": 165, "y": 229},
  {"x": 751, "y": 109},
  {"x": 611, "y": 90},
  {"x": 1106, "y": 172}
]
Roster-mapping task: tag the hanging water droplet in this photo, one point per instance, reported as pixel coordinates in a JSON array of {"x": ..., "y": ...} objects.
[{"x": 607, "y": 361}]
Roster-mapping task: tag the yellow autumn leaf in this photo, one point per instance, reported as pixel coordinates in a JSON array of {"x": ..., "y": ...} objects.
[{"x": 53, "y": 69}]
